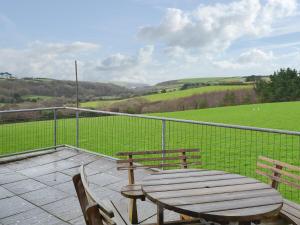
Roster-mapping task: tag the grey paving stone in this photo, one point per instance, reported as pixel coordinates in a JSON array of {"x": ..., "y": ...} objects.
[
  {"x": 4, "y": 193},
  {"x": 67, "y": 187},
  {"x": 22, "y": 164},
  {"x": 84, "y": 158},
  {"x": 103, "y": 179},
  {"x": 38, "y": 170},
  {"x": 66, "y": 209},
  {"x": 75, "y": 170},
  {"x": 78, "y": 221},
  {"x": 24, "y": 186},
  {"x": 48, "y": 168},
  {"x": 35, "y": 216},
  {"x": 101, "y": 165},
  {"x": 54, "y": 178},
  {"x": 117, "y": 186},
  {"x": 46, "y": 159},
  {"x": 13, "y": 205},
  {"x": 4, "y": 169},
  {"x": 6, "y": 178},
  {"x": 44, "y": 196},
  {"x": 64, "y": 153}
]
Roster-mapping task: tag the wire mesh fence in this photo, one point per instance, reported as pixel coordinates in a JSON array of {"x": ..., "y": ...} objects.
[{"x": 223, "y": 147}]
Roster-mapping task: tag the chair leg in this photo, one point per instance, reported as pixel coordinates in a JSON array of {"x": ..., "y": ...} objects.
[{"x": 133, "y": 216}]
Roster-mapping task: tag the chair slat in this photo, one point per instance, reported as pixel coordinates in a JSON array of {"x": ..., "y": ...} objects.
[
  {"x": 158, "y": 166},
  {"x": 279, "y": 171},
  {"x": 149, "y": 152},
  {"x": 91, "y": 195},
  {"x": 278, "y": 179},
  {"x": 180, "y": 157},
  {"x": 277, "y": 162}
]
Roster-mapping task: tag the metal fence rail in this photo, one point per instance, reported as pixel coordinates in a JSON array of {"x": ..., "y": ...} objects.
[{"x": 224, "y": 147}]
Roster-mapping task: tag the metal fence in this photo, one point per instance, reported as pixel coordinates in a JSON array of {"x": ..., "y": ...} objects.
[{"x": 223, "y": 147}]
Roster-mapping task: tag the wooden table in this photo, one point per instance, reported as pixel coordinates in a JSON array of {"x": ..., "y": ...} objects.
[{"x": 213, "y": 195}]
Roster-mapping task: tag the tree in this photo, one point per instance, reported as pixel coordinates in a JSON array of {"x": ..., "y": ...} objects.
[{"x": 284, "y": 85}]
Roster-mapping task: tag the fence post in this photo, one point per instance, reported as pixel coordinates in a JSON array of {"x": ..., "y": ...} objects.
[
  {"x": 77, "y": 129},
  {"x": 163, "y": 140},
  {"x": 55, "y": 127}
]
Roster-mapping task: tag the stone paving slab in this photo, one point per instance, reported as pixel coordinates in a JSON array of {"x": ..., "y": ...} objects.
[
  {"x": 39, "y": 190},
  {"x": 13, "y": 205},
  {"x": 35, "y": 216},
  {"x": 23, "y": 186},
  {"x": 4, "y": 193},
  {"x": 54, "y": 178},
  {"x": 44, "y": 196}
]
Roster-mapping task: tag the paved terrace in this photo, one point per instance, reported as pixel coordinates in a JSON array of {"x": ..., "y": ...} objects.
[{"x": 39, "y": 190}]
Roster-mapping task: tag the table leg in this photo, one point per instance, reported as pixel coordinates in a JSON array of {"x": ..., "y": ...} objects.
[
  {"x": 132, "y": 211},
  {"x": 160, "y": 215}
]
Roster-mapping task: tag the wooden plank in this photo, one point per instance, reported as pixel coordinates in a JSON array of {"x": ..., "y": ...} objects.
[
  {"x": 149, "y": 152},
  {"x": 277, "y": 162},
  {"x": 249, "y": 213},
  {"x": 198, "y": 185},
  {"x": 207, "y": 191},
  {"x": 182, "y": 180},
  {"x": 290, "y": 217},
  {"x": 176, "y": 171},
  {"x": 278, "y": 179},
  {"x": 193, "y": 173},
  {"x": 220, "y": 197},
  {"x": 291, "y": 204},
  {"x": 233, "y": 204},
  {"x": 279, "y": 171},
  {"x": 179, "y": 157},
  {"x": 156, "y": 166}
]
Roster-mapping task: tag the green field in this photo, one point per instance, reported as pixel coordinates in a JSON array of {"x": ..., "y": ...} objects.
[
  {"x": 284, "y": 115},
  {"x": 227, "y": 149},
  {"x": 169, "y": 95}
]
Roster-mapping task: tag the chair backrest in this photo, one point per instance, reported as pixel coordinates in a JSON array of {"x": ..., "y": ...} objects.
[
  {"x": 178, "y": 158},
  {"x": 278, "y": 172},
  {"x": 94, "y": 213}
]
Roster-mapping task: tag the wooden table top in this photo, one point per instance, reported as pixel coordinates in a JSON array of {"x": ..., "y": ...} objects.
[{"x": 214, "y": 195}]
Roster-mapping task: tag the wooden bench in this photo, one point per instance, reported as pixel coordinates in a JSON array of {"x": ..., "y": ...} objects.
[
  {"x": 106, "y": 212},
  {"x": 281, "y": 172},
  {"x": 155, "y": 159}
]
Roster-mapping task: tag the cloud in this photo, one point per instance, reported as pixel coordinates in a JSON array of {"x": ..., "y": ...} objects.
[
  {"x": 121, "y": 67},
  {"x": 251, "y": 58},
  {"x": 54, "y": 60},
  {"x": 215, "y": 27}
]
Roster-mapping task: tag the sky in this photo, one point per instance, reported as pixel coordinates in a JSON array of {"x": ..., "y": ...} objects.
[{"x": 148, "y": 41}]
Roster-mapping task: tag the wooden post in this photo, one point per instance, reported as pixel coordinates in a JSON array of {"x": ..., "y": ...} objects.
[
  {"x": 183, "y": 160},
  {"x": 275, "y": 174},
  {"x": 132, "y": 207},
  {"x": 130, "y": 171},
  {"x": 160, "y": 215}
]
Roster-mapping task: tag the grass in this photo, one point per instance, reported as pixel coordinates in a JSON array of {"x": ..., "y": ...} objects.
[
  {"x": 226, "y": 149},
  {"x": 192, "y": 91},
  {"x": 284, "y": 115},
  {"x": 168, "y": 95}
]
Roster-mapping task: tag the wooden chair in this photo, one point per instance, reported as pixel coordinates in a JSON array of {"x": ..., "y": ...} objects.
[
  {"x": 94, "y": 213},
  {"x": 106, "y": 212},
  {"x": 179, "y": 158},
  {"x": 281, "y": 172}
]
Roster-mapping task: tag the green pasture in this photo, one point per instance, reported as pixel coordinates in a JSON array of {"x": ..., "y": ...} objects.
[
  {"x": 227, "y": 149},
  {"x": 283, "y": 115},
  {"x": 168, "y": 95}
]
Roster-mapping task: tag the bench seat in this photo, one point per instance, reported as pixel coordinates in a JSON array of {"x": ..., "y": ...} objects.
[
  {"x": 291, "y": 212},
  {"x": 133, "y": 191}
]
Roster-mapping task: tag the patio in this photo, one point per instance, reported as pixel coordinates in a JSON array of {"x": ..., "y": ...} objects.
[{"x": 39, "y": 189}]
